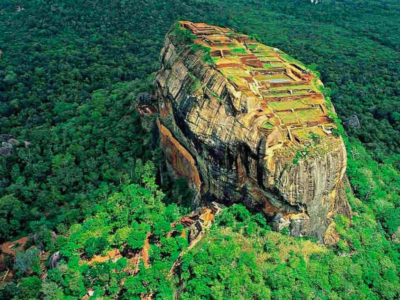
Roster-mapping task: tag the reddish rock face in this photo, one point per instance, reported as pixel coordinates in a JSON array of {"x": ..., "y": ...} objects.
[
  {"x": 245, "y": 122},
  {"x": 178, "y": 157}
]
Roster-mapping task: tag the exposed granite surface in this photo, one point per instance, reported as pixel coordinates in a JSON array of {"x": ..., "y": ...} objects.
[{"x": 245, "y": 122}]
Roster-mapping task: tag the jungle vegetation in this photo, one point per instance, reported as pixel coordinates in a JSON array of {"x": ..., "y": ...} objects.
[{"x": 82, "y": 176}]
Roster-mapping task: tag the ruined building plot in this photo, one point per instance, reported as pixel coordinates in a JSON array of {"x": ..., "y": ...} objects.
[{"x": 246, "y": 123}]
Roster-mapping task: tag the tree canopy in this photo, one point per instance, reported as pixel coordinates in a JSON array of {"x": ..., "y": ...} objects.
[{"x": 80, "y": 176}]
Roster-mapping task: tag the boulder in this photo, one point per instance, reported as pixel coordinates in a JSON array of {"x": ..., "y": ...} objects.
[{"x": 352, "y": 122}]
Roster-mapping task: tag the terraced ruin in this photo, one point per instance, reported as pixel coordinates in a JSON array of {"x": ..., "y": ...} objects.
[{"x": 280, "y": 91}]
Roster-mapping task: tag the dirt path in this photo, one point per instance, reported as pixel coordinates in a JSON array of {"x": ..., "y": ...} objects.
[{"x": 9, "y": 247}]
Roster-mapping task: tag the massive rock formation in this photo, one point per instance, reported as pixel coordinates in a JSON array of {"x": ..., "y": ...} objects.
[{"x": 246, "y": 123}]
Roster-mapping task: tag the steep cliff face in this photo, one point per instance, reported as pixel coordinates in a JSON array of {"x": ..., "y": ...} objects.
[{"x": 245, "y": 122}]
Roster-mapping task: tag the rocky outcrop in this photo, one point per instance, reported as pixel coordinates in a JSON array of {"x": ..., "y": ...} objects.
[
  {"x": 7, "y": 144},
  {"x": 352, "y": 122},
  {"x": 246, "y": 123}
]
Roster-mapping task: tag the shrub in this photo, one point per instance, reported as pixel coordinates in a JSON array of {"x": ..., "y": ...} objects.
[{"x": 30, "y": 287}]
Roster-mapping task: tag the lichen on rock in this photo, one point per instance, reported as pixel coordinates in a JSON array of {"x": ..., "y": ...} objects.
[{"x": 246, "y": 123}]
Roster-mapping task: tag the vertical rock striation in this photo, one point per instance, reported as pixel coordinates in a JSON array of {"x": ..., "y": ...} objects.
[{"x": 246, "y": 123}]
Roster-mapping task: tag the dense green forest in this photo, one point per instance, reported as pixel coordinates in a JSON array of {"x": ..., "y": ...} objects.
[{"x": 78, "y": 175}]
